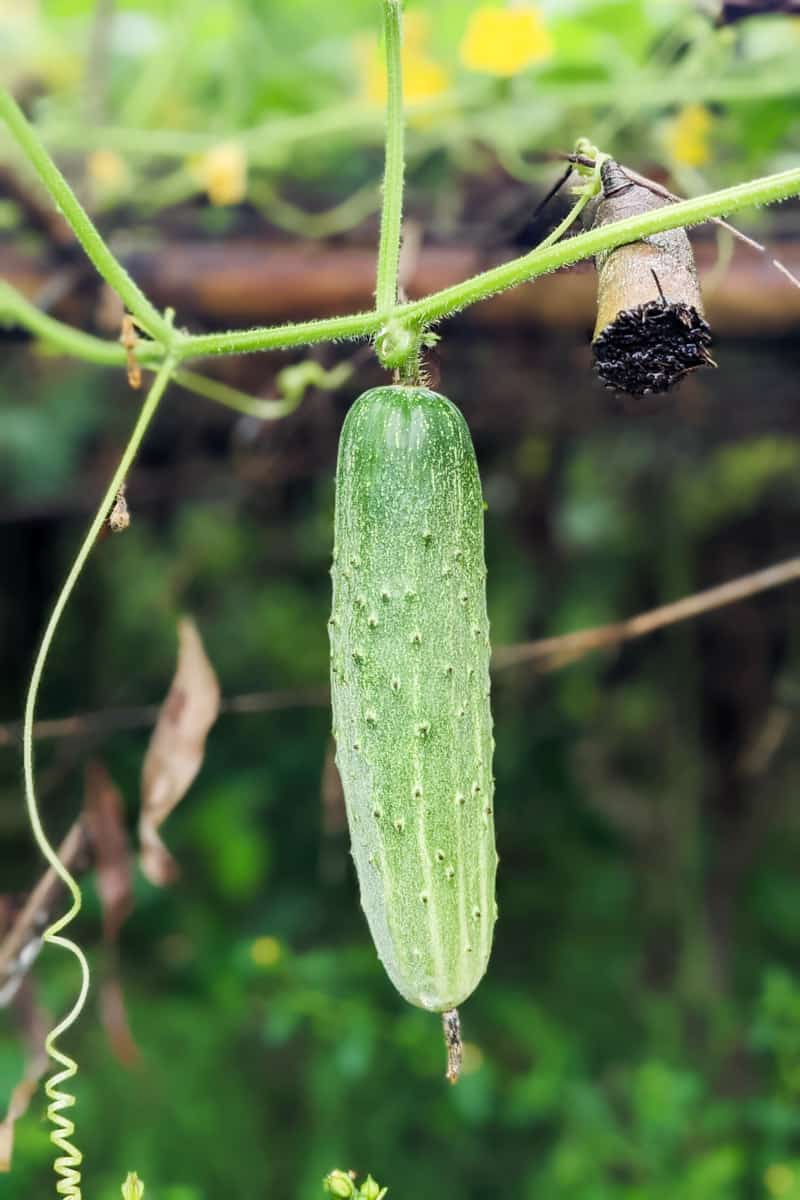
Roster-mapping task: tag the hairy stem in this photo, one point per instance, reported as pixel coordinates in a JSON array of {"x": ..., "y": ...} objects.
[
  {"x": 16, "y": 310},
  {"x": 280, "y": 337},
  {"x": 538, "y": 262},
  {"x": 394, "y": 164},
  {"x": 80, "y": 222},
  {"x": 632, "y": 229},
  {"x": 223, "y": 393},
  {"x": 419, "y": 313}
]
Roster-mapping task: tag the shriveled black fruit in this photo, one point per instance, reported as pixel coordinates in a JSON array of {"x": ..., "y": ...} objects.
[{"x": 650, "y": 329}]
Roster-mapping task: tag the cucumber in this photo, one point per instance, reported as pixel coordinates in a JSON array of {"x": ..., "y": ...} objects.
[{"x": 409, "y": 640}]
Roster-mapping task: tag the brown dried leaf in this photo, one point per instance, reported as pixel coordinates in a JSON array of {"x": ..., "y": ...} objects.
[
  {"x": 176, "y": 749},
  {"x": 130, "y": 340},
  {"x": 104, "y": 817},
  {"x": 21, "y": 1097},
  {"x": 105, "y": 821}
]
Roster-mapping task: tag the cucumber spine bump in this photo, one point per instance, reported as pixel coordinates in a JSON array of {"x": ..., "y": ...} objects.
[{"x": 409, "y": 637}]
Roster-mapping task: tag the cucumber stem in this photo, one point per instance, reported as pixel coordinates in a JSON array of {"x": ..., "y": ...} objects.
[
  {"x": 451, "y": 1023},
  {"x": 394, "y": 163}
]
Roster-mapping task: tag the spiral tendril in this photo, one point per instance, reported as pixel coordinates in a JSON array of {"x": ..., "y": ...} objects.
[{"x": 67, "y": 1163}]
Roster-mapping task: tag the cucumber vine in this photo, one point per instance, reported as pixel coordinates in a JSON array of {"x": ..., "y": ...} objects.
[{"x": 399, "y": 330}]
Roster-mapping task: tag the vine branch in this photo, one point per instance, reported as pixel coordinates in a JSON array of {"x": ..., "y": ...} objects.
[
  {"x": 423, "y": 312},
  {"x": 79, "y": 221},
  {"x": 394, "y": 163},
  {"x": 142, "y": 716},
  {"x": 15, "y": 309},
  {"x": 550, "y": 654},
  {"x": 769, "y": 189},
  {"x": 540, "y": 261}
]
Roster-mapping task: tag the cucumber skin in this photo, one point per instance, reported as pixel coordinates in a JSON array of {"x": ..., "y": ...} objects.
[{"x": 410, "y": 652}]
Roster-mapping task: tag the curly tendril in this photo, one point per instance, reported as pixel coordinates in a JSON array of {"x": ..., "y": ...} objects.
[{"x": 67, "y": 1164}]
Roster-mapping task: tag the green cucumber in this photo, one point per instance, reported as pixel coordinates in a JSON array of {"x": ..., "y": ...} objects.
[{"x": 410, "y": 688}]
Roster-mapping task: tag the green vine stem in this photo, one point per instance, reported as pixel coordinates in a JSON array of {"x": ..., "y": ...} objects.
[
  {"x": 394, "y": 164},
  {"x": 267, "y": 143},
  {"x": 767, "y": 190},
  {"x": 540, "y": 261},
  {"x": 343, "y": 216},
  {"x": 16, "y": 310},
  {"x": 432, "y": 308},
  {"x": 68, "y": 1163},
  {"x": 223, "y": 393},
  {"x": 420, "y": 313},
  {"x": 96, "y": 249},
  {"x": 556, "y": 234}
]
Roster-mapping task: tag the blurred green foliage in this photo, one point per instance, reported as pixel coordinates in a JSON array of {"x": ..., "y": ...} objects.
[{"x": 279, "y": 102}]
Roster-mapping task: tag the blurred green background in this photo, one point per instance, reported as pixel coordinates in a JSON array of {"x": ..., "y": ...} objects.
[{"x": 638, "y": 1033}]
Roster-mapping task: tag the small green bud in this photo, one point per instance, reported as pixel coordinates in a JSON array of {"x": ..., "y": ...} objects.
[
  {"x": 340, "y": 1183},
  {"x": 132, "y": 1188},
  {"x": 370, "y": 1190},
  {"x": 396, "y": 344}
]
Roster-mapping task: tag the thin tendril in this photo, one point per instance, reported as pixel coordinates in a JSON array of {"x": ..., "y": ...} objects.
[
  {"x": 569, "y": 220},
  {"x": 67, "y": 1164}
]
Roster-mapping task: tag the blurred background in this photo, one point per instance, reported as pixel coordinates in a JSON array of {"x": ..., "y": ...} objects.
[{"x": 638, "y": 1034}]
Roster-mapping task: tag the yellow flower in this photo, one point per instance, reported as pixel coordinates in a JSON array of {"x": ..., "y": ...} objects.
[
  {"x": 779, "y": 1179},
  {"x": 60, "y": 69},
  {"x": 423, "y": 77},
  {"x": 688, "y": 134},
  {"x": 265, "y": 951},
  {"x": 107, "y": 171},
  {"x": 504, "y": 41},
  {"x": 222, "y": 172}
]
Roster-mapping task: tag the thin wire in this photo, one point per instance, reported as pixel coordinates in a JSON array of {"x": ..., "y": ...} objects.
[{"x": 554, "y": 190}]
